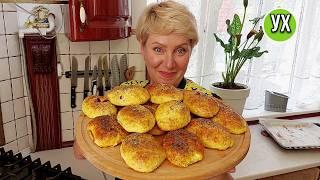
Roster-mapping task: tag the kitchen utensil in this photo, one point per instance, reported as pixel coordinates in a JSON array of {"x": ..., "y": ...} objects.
[
  {"x": 115, "y": 72},
  {"x": 123, "y": 67},
  {"x": 292, "y": 134},
  {"x": 106, "y": 73},
  {"x": 109, "y": 160},
  {"x": 130, "y": 73},
  {"x": 74, "y": 69},
  {"x": 94, "y": 81},
  {"x": 86, "y": 77},
  {"x": 100, "y": 75},
  {"x": 275, "y": 102}
]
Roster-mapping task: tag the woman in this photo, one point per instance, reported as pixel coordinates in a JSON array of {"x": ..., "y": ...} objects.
[{"x": 167, "y": 33}]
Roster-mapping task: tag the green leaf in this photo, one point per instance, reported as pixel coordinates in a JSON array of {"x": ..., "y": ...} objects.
[
  {"x": 219, "y": 40},
  {"x": 258, "y": 54},
  {"x": 228, "y": 48},
  {"x": 233, "y": 41},
  {"x": 249, "y": 53},
  {"x": 235, "y": 25},
  {"x": 236, "y": 54},
  {"x": 223, "y": 76}
]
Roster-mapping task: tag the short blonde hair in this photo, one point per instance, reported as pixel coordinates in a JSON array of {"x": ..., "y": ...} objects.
[{"x": 166, "y": 18}]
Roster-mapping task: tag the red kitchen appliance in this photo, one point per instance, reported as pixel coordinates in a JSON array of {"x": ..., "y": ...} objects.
[{"x": 94, "y": 20}]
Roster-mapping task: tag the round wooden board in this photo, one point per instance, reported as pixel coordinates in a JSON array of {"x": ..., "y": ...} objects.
[{"x": 109, "y": 160}]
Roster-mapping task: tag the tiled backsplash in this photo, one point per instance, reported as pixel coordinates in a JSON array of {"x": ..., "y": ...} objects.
[
  {"x": 13, "y": 95},
  {"x": 16, "y": 121},
  {"x": 66, "y": 49}
]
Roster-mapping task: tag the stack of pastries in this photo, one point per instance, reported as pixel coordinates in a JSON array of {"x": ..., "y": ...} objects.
[{"x": 187, "y": 122}]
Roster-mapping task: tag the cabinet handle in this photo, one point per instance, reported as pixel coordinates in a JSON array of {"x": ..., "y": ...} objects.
[{"x": 83, "y": 16}]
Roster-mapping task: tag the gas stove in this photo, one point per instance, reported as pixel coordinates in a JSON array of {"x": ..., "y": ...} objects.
[{"x": 15, "y": 167}]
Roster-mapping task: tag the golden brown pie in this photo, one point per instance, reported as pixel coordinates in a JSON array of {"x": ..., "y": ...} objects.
[
  {"x": 126, "y": 95},
  {"x": 172, "y": 115},
  {"x": 211, "y": 134},
  {"x": 183, "y": 148},
  {"x": 230, "y": 120},
  {"x": 200, "y": 103},
  {"x": 94, "y": 106},
  {"x": 105, "y": 131},
  {"x": 142, "y": 152},
  {"x": 161, "y": 93}
]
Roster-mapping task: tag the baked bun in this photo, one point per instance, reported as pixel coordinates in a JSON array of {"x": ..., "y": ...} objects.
[
  {"x": 230, "y": 120},
  {"x": 94, "y": 106},
  {"x": 161, "y": 93},
  {"x": 155, "y": 130},
  {"x": 136, "y": 118},
  {"x": 126, "y": 95},
  {"x": 172, "y": 115},
  {"x": 211, "y": 134},
  {"x": 142, "y": 152},
  {"x": 183, "y": 148},
  {"x": 200, "y": 103},
  {"x": 106, "y": 131}
]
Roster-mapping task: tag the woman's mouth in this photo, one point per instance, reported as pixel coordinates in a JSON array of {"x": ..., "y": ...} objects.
[{"x": 167, "y": 75}]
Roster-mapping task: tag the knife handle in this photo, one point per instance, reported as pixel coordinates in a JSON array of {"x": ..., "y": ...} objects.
[
  {"x": 73, "y": 97},
  {"x": 94, "y": 87},
  {"x": 85, "y": 93},
  {"x": 100, "y": 90}
]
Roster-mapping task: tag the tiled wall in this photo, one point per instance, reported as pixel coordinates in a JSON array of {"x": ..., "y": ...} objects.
[
  {"x": 94, "y": 49},
  {"x": 13, "y": 94},
  {"x": 16, "y": 120}
]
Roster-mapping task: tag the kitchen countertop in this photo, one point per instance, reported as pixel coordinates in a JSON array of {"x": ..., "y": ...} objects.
[
  {"x": 65, "y": 158},
  {"x": 265, "y": 158}
]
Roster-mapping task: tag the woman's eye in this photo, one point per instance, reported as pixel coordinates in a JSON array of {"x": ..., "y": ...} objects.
[
  {"x": 157, "y": 50},
  {"x": 181, "y": 51}
]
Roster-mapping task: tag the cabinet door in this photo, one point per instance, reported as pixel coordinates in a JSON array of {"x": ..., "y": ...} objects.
[
  {"x": 107, "y": 14},
  {"x": 104, "y": 20}
]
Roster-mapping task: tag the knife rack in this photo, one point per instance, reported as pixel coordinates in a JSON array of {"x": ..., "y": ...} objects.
[{"x": 80, "y": 74}]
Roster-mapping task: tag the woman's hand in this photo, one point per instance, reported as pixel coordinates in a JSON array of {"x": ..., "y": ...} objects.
[
  {"x": 78, "y": 154},
  {"x": 233, "y": 170}
]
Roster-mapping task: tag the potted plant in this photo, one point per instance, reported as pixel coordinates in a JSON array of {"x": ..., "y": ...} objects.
[{"x": 236, "y": 54}]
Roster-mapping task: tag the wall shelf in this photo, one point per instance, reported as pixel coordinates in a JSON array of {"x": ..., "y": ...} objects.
[{"x": 37, "y": 1}]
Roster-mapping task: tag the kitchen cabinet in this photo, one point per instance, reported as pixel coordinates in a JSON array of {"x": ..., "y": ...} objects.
[
  {"x": 37, "y": 1},
  {"x": 306, "y": 174},
  {"x": 94, "y": 20}
]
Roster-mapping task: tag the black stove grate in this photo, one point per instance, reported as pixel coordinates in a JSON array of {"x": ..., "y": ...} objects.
[{"x": 15, "y": 167}]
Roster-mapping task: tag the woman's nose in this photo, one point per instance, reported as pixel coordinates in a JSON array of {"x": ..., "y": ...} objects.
[{"x": 170, "y": 62}]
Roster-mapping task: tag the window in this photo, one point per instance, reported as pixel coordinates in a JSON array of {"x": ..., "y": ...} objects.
[{"x": 291, "y": 67}]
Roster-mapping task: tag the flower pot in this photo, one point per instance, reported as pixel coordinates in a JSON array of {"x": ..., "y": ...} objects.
[{"x": 235, "y": 98}]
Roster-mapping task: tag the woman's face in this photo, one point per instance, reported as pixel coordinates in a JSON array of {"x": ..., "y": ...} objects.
[{"x": 166, "y": 57}]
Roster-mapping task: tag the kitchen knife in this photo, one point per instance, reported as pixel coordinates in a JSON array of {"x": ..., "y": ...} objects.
[
  {"x": 94, "y": 81},
  {"x": 115, "y": 71},
  {"x": 106, "y": 73},
  {"x": 74, "y": 70},
  {"x": 100, "y": 75},
  {"x": 123, "y": 67},
  {"x": 86, "y": 77}
]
